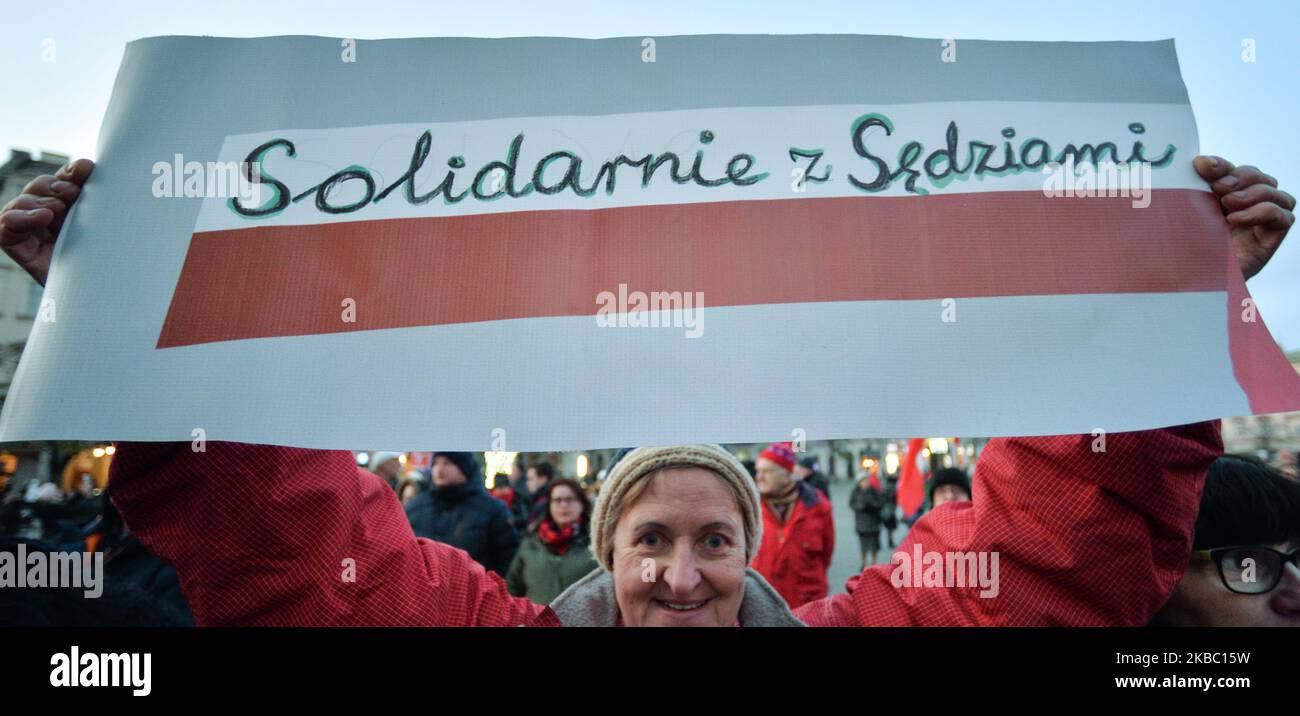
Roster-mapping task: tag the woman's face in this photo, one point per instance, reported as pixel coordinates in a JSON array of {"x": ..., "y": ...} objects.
[
  {"x": 1201, "y": 599},
  {"x": 679, "y": 552},
  {"x": 565, "y": 506}
]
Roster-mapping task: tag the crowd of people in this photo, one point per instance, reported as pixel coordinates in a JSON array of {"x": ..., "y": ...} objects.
[
  {"x": 138, "y": 588},
  {"x": 1161, "y": 528},
  {"x": 538, "y": 542}
]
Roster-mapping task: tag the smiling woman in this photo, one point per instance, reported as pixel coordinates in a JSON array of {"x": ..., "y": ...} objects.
[
  {"x": 675, "y": 531},
  {"x": 679, "y": 572},
  {"x": 675, "y": 526}
]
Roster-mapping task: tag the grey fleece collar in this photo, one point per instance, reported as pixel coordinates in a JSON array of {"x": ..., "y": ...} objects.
[{"x": 591, "y": 601}]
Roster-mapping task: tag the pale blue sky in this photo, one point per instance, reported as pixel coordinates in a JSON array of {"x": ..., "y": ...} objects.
[{"x": 1246, "y": 112}]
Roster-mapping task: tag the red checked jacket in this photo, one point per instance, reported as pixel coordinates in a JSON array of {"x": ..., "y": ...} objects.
[
  {"x": 265, "y": 535},
  {"x": 795, "y": 553}
]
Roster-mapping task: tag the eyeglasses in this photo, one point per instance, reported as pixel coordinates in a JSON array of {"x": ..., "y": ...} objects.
[
  {"x": 564, "y": 500},
  {"x": 1253, "y": 569}
]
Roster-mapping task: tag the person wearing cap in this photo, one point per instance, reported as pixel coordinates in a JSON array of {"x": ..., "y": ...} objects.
[
  {"x": 949, "y": 484},
  {"x": 798, "y": 529},
  {"x": 806, "y": 470},
  {"x": 257, "y": 533},
  {"x": 674, "y": 532},
  {"x": 388, "y": 466},
  {"x": 457, "y": 510}
]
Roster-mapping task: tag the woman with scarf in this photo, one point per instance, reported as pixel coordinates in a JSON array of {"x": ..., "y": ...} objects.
[{"x": 557, "y": 551}]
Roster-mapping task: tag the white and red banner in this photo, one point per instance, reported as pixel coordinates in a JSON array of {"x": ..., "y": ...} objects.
[{"x": 542, "y": 243}]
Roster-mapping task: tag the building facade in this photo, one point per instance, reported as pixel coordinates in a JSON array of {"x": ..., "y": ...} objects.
[
  {"x": 20, "y": 300},
  {"x": 1273, "y": 438},
  {"x": 20, "y": 296}
]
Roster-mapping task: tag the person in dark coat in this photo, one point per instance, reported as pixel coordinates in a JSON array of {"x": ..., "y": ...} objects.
[
  {"x": 557, "y": 551},
  {"x": 129, "y": 562},
  {"x": 866, "y": 503},
  {"x": 517, "y": 505},
  {"x": 123, "y": 601},
  {"x": 889, "y": 511},
  {"x": 807, "y": 471},
  {"x": 539, "y": 476},
  {"x": 457, "y": 510},
  {"x": 136, "y": 587}
]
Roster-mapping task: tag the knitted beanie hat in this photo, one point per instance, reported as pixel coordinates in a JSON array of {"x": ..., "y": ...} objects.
[
  {"x": 949, "y": 476},
  {"x": 467, "y": 463},
  {"x": 781, "y": 454},
  {"x": 379, "y": 458},
  {"x": 642, "y": 463}
]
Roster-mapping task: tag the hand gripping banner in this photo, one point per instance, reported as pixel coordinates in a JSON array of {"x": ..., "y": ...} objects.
[{"x": 566, "y": 243}]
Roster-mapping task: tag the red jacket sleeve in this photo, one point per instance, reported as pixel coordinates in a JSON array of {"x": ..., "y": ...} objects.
[
  {"x": 1082, "y": 537},
  {"x": 266, "y": 535}
]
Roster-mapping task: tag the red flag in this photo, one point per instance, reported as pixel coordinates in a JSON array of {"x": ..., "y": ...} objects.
[{"x": 911, "y": 486}]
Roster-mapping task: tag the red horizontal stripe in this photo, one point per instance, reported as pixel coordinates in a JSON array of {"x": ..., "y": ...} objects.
[
  {"x": 1268, "y": 379},
  {"x": 292, "y": 280}
]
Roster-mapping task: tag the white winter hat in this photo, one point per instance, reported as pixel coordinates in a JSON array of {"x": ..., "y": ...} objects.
[{"x": 379, "y": 458}]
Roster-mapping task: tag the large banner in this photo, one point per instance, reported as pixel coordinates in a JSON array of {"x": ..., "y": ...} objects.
[{"x": 546, "y": 243}]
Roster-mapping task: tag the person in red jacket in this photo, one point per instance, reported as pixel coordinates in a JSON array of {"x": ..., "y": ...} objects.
[
  {"x": 267, "y": 535},
  {"x": 798, "y": 529},
  {"x": 1085, "y": 539}
]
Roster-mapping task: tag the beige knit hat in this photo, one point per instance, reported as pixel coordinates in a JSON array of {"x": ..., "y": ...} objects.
[{"x": 642, "y": 463}]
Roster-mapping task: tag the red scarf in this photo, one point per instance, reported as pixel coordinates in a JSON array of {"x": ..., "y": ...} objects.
[
  {"x": 506, "y": 495},
  {"x": 780, "y": 505},
  {"x": 557, "y": 540}
]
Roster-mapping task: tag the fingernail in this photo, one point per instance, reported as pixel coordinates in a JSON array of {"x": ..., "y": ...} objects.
[
  {"x": 68, "y": 168},
  {"x": 1229, "y": 180},
  {"x": 60, "y": 186},
  {"x": 1239, "y": 194},
  {"x": 33, "y": 212}
]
